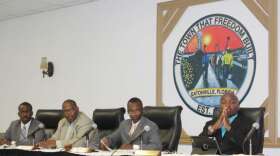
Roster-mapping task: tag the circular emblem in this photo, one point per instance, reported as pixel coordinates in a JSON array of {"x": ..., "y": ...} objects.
[{"x": 216, "y": 55}]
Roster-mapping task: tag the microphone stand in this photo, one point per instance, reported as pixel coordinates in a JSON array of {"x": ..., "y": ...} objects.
[
  {"x": 33, "y": 139},
  {"x": 250, "y": 146},
  {"x": 141, "y": 142},
  {"x": 87, "y": 141}
]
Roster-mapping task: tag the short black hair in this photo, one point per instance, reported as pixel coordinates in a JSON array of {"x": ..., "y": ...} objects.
[
  {"x": 28, "y": 105},
  {"x": 72, "y": 102},
  {"x": 135, "y": 100}
]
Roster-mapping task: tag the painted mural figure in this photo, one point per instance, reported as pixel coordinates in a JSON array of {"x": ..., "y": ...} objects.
[
  {"x": 227, "y": 63},
  {"x": 219, "y": 68},
  {"x": 205, "y": 66}
]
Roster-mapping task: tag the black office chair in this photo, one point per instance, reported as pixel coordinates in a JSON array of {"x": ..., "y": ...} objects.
[
  {"x": 168, "y": 120},
  {"x": 256, "y": 115},
  {"x": 50, "y": 119},
  {"x": 107, "y": 120}
]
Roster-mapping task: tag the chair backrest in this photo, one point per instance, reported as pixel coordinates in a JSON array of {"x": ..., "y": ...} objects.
[
  {"x": 256, "y": 115},
  {"x": 168, "y": 120},
  {"x": 108, "y": 120},
  {"x": 50, "y": 119}
]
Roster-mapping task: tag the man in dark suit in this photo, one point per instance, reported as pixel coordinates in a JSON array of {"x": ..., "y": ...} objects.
[
  {"x": 137, "y": 132},
  {"x": 230, "y": 128},
  {"x": 26, "y": 130}
]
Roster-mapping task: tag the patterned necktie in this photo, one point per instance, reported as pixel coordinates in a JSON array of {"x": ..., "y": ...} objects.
[
  {"x": 24, "y": 132},
  {"x": 132, "y": 129}
]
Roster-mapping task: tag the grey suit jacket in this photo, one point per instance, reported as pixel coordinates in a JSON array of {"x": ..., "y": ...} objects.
[
  {"x": 82, "y": 125},
  {"x": 14, "y": 131},
  {"x": 150, "y": 139}
]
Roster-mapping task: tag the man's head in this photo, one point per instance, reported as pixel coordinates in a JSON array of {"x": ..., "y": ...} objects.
[
  {"x": 25, "y": 112},
  {"x": 70, "y": 110},
  {"x": 228, "y": 50},
  {"x": 135, "y": 109},
  {"x": 230, "y": 102}
]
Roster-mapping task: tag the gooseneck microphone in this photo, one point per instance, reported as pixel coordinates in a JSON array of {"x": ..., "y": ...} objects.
[
  {"x": 39, "y": 127},
  {"x": 93, "y": 126},
  {"x": 249, "y": 135},
  {"x": 145, "y": 129},
  {"x": 255, "y": 127}
]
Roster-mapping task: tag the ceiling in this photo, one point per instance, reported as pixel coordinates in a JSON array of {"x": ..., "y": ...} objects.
[{"x": 10, "y": 9}]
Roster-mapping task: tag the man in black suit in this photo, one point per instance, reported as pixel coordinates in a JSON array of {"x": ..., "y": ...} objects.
[{"x": 230, "y": 128}]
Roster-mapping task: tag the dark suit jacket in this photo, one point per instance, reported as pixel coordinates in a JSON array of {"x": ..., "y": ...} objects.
[
  {"x": 150, "y": 139},
  {"x": 232, "y": 142},
  {"x": 14, "y": 131}
]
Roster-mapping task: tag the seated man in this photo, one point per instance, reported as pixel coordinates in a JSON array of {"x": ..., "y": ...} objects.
[
  {"x": 72, "y": 129},
  {"x": 137, "y": 132},
  {"x": 230, "y": 128},
  {"x": 26, "y": 130}
]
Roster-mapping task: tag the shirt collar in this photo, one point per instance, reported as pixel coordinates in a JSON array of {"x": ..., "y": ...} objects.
[
  {"x": 135, "y": 124},
  {"x": 232, "y": 118},
  {"x": 27, "y": 125}
]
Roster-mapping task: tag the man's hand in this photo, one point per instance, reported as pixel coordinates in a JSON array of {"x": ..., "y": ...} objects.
[
  {"x": 222, "y": 121},
  {"x": 68, "y": 147},
  {"x": 126, "y": 146},
  {"x": 48, "y": 144},
  {"x": 103, "y": 143},
  {"x": 226, "y": 124},
  {"x": 226, "y": 113},
  {"x": 4, "y": 141},
  {"x": 219, "y": 123}
]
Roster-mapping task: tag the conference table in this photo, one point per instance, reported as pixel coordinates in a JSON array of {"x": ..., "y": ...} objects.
[
  {"x": 29, "y": 151},
  {"x": 26, "y": 151}
]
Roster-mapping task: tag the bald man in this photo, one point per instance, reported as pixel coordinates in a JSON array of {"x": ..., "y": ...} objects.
[{"x": 231, "y": 127}]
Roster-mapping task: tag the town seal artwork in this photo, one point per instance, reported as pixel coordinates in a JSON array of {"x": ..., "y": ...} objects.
[{"x": 215, "y": 55}]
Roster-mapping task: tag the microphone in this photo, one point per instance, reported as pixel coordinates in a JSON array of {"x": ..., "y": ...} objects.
[
  {"x": 145, "y": 129},
  {"x": 40, "y": 126},
  {"x": 93, "y": 126},
  {"x": 255, "y": 127}
]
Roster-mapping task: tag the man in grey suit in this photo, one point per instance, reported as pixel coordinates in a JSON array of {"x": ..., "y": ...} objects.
[
  {"x": 26, "y": 130},
  {"x": 72, "y": 129},
  {"x": 137, "y": 132}
]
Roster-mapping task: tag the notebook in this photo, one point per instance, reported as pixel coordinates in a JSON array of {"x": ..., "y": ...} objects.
[{"x": 204, "y": 145}]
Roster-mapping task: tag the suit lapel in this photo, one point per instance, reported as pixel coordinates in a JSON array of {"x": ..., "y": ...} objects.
[
  {"x": 136, "y": 132},
  {"x": 236, "y": 122},
  {"x": 127, "y": 128},
  {"x": 18, "y": 131},
  {"x": 32, "y": 128},
  {"x": 138, "y": 129}
]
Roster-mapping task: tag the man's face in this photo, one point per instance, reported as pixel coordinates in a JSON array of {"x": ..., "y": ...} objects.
[
  {"x": 230, "y": 103},
  {"x": 70, "y": 111},
  {"x": 25, "y": 114},
  {"x": 134, "y": 111}
]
